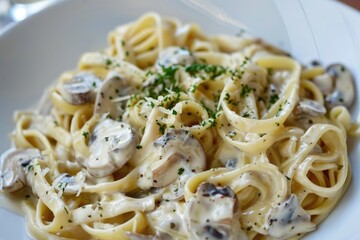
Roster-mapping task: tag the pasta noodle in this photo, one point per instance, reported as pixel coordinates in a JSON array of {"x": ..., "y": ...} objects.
[{"x": 172, "y": 134}]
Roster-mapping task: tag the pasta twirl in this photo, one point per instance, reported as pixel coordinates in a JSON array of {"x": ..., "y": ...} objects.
[{"x": 172, "y": 134}]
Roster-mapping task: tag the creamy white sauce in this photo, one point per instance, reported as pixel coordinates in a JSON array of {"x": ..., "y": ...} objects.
[
  {"x": 13, "y": 201},
  {"x": 288, "y": 219}
]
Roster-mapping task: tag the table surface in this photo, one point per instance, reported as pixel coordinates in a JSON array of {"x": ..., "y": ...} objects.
[{"x": 353, "y": 3}]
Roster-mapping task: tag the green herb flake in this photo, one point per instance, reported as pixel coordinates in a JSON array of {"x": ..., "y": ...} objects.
[
  {"x": 86, "y": 134},
  {"x": 181, "y": 171},
  {"x": 212, "y": 70},
  {"x": 161, "y": 127},
  {"x": 245, "y": 90},
  {"x": 138, "y": 146},
  {"x": 108, "y": 62},
  {"x": 273, "y": 98}
]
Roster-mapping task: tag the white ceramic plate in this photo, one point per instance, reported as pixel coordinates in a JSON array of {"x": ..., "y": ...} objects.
[{"x": 34, "y": 53}]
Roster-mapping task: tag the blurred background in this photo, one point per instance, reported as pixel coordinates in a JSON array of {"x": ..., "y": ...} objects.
[{"x": 12, "y": 11}]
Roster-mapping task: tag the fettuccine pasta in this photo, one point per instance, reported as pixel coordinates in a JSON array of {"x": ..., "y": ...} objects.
[{"x": 168, "y": 133}]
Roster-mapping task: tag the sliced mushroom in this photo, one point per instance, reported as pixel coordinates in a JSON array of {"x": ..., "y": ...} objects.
[
  {"x": 169, "y": 221},
  {"x": 80, "y": 89},
  {"x": 213, "y": 214},
  {"x": 337, "y": 85},
  {"x": 113, "y": 144},
  {"x": 113, "y": 87},
  {"x": 174, "y": 56},
  {"x": 175, "y": 153},
  {"x": 69, "y": 184},
  {"x": 13, "y": 168},
  {"x": 325, "y": 83},
  {"x": 288, "y": 219},
  {"x": 310, "y": 108}
]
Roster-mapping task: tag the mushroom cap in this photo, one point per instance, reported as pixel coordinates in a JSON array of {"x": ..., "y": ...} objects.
[
  {"x": 12, "y": 165},
  {"x": 175, "y": 153},
  {"x": 344, "y": 91},
  {"x": 80, "y": 89},
  {"x": 174, "y": 55},
  {"x": 213, "y": 214},
  {"x": 325, "y": 83},
  {"x": 114, "y": 86},
  {"x": 310, "y": 108},
  {"x": 113, "y": 145}
]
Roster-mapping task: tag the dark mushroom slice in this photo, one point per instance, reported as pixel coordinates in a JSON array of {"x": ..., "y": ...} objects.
[
  {"x": 175, "y": 153},
  {"x": 287, "y": 219},
  {"x": 337, "y": 84},
  {"x": 13, "y": 168},
  {"x": 113, "y": 145},
  {"x": 81, "y": 89},
  {"x": 213, "y": 214},
  {"x": 174, "y": 56},
  {"x": 310, "y": 108},
  {"x": 114, "y": 86}
]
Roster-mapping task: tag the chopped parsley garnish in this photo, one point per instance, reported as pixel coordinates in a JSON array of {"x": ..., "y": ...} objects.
[
  {"x": 163, "y": 83},
  {"x": 138, "y": 146},
  {"x": 181, "y": 171},
  {"x": 279, "y": 110},
  {"x": 86, "y": 134},
  {"x": 245, "y": 90},
  {"x": 212, "y": 70},
  {"x": 174, "y": 112},
  {"x": 273, "y": 98},
  {"x": 161, "y": 127},
  {"x": 108, "y": 62}
]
